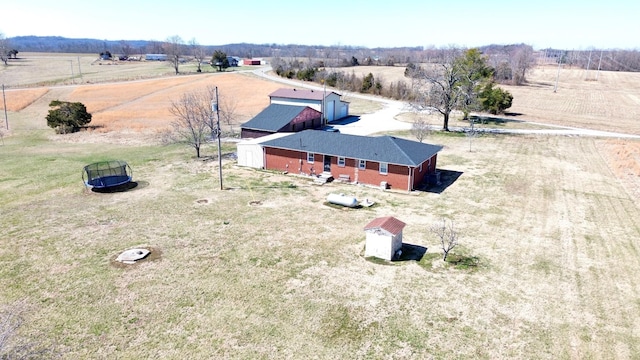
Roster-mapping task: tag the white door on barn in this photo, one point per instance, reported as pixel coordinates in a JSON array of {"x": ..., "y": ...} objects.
[{"x": 331, "y": 108}]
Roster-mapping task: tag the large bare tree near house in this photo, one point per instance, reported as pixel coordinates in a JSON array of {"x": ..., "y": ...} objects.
[
  {"x": 193, "y": 119},
  {"x": 438, "y": 85}
]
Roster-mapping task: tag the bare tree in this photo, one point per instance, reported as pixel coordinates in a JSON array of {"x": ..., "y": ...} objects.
[
  {"x": 438, "y": 86},
  {"x": 522, "y": 61},
  {"x": 420, "y": 128},
  {"x": 198, "y": 53},
  {"x": 126, "y": 49},
  {"x": 4, "y": 49},
  {"x": 174, "y": 47},
  {"x": 193, "y": 119},
  {"x": 228, "y": 111},
  {"x": 447, "y": 235}
]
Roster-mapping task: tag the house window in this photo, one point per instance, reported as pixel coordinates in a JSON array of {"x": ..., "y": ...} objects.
[
  {"x": 420, "y": 168},
  {"x": 310, "y": 158},
  {"x": 383, "y": 168},
  {"x": 341, "y": 161},
  {"x": 362, "y": 164}
]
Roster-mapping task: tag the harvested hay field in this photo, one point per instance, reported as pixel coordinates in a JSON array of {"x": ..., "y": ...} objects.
[{"x": 609, "y": 103}]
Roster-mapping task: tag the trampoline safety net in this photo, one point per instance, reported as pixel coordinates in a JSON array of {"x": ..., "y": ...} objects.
[{"x": 107, "y": 173}]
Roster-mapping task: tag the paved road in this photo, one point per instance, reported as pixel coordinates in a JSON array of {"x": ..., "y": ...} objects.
[{"x": 384, "y": 119}]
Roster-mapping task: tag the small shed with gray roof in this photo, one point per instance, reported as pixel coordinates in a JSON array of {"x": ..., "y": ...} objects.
[{"x": 281, "y": 118}]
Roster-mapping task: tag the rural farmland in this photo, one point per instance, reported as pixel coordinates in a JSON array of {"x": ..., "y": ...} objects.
[{"x": 266, "y": 269}]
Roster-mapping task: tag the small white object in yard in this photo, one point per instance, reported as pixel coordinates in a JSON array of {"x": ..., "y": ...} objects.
[
  {"x": 366, "y": 203},
  {"x": 132, "y": 255}
]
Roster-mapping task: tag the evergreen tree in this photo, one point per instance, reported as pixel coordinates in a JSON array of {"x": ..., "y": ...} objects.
[{"x": 67, "y": 117}]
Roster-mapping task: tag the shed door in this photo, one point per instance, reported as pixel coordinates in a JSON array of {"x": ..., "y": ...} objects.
[{"x": 343, "y": 111}]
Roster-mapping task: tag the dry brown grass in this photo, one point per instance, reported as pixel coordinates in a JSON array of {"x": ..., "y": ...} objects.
[
  {"x": 611, "y": 104},
  {"x": 17, "y": 100},
  {"x": 552, "y": 220}
]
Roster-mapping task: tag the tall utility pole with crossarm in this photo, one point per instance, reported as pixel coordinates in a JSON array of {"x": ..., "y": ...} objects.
[{"x": 216, "y": 132}]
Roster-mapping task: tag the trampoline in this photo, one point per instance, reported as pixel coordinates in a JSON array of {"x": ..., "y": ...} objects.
[{"x": 106, "y": 174}]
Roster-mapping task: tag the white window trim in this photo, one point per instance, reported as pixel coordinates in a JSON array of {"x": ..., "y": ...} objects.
[
  {"x": 386, "y": 167},
  {"x": 341, "y": 161},
  {"x": 362, "y": 164},
  {"x": 310, "y": 158},
  {"x": 420, "y": 169}
]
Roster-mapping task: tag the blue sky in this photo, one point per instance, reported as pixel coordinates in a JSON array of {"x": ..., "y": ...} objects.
[{"x": 566, "y": 24}]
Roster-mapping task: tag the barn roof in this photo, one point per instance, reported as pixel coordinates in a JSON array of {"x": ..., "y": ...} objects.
[
  {"x": 387, "y": 223},
  {"x": 274, "y": 117},
  {"x": 387, "y": 149},
  {"x": 300, "y": 94}
]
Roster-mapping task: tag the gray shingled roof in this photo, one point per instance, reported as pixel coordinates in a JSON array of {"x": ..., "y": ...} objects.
[
  {"x": 300, "y": 94},
  {"x": 387, "y": 149},
  {"x": 274, "y": 117}
]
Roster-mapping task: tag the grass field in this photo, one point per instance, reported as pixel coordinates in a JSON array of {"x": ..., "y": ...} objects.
[{"x": 264, "y": 269}]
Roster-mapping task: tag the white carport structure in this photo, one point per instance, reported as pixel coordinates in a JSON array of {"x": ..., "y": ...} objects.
[{"x": 250, "y": 152}]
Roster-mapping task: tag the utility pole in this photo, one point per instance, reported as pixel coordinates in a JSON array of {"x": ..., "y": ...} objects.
[
  {"x": 72, "y": 75},
  {"x": 588, "y": 65},
  {"x": 79, "y": 69},
  {"x": 4, "y": 99},
  {"x": 599, "y": 63},
  {"x": 215, "y": 108},
  {"x": 555, "y": 88}
]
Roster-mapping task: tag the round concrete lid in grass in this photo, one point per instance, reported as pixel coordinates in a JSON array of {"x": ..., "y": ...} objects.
[
  {"x": 132, "y": 255},
  {"x": 135, "y": 256}
]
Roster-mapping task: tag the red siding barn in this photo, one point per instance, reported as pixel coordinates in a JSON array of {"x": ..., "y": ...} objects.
[{"x": 281, "y": 118}]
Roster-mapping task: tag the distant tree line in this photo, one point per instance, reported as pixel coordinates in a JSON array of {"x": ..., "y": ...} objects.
[{"x": 504, "y": 58}]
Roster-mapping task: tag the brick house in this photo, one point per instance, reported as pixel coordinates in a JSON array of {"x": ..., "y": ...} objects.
[
  {"x": 397, "y": 163},
  {"x": 334, "y": 107},
  {"x": 281, "y": 118}
]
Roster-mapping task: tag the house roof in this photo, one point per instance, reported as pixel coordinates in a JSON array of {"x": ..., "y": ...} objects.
[
  {"x": 300, "y": 94},
  {"x": 274, "y": 117},
  {"x": 387, "y": 223},
  {"x": 387, "y": 149}
]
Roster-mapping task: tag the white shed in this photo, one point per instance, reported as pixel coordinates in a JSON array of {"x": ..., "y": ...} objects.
[
  {"x": 384, "y": 237},
  {"x": 250, "y": 152}
]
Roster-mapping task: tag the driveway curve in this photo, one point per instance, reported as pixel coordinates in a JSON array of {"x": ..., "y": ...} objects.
[{"x": 384, "y": 119}]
